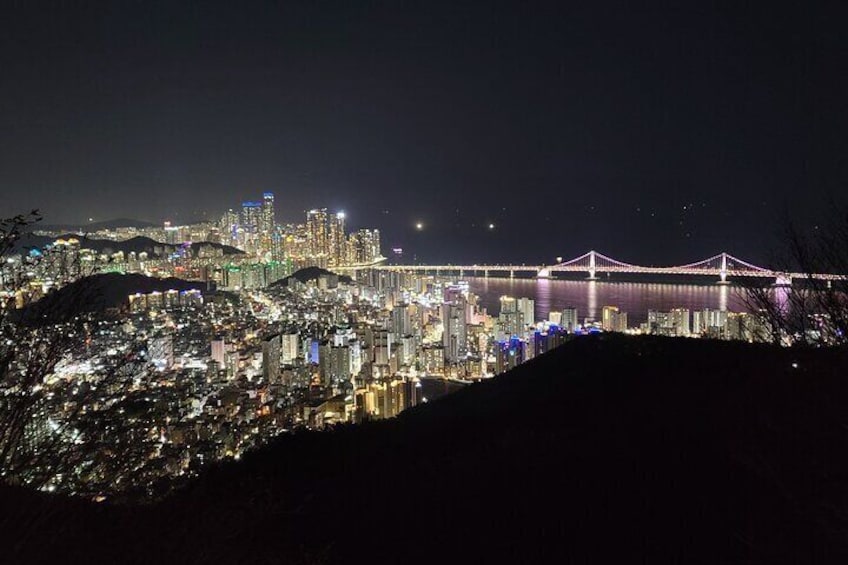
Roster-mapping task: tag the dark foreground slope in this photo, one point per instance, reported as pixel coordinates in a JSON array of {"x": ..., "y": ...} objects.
[{"x": 606, "y": 450}]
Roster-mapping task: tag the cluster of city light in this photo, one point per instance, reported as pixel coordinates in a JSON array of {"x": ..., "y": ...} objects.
[{"x": 195, "y": 377}]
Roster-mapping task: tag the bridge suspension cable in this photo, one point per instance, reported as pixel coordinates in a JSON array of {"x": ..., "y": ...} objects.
[{"x": 722, "y": 264}]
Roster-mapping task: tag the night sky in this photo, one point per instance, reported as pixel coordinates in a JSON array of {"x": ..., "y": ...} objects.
[{"x": 654, "y": 133}]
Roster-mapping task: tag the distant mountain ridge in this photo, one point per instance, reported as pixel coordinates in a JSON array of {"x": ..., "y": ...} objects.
[
  {"x": 138, "y": 244},
  {"x": 102, "y": 225}
]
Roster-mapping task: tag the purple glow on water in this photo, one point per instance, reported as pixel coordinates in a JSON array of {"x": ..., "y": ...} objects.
[{"x": 589, "y": 297}]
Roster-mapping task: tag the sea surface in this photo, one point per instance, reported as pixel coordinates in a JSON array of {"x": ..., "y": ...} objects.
[{"x": 589, "y": 297}]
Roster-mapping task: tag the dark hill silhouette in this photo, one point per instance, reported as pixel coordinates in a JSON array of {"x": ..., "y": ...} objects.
[
  {"x": 97, "y": 293},
  {"x": 136, "y": 244},
  {"x": 606, "y": 450},
  {"x": 310, "y": 274}
]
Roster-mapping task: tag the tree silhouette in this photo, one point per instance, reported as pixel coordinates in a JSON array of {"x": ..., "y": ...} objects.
[
  {"x": 812, "y": 311},
  {"x": 48, "y": 432}
]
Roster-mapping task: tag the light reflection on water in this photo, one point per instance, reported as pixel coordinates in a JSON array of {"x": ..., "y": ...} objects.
[{"x": 590, "y": 296}]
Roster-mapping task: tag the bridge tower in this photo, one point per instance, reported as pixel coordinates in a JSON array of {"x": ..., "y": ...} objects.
[
  {"x": 592, "y": 266},
  {"x": 723, "y": 269}
]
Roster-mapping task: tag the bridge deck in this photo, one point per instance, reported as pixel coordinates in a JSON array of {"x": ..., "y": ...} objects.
[{"x": 722, "y": 265}]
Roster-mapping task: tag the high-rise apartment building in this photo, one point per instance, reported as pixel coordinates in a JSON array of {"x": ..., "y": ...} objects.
[
  {"x": 527, "y": 307},
  {"x": 511, "y": 318},
  {"x": 219, "y": 351},
  {"x": 364, "y": 246},
  {"x": 569, "y": 319},
  {"x": 455, "y": 336},
  {"x": 337, "y": 249},
  {"x": 316, "y": 232},
  {"x": 289, "y": 348},
  {"x": 229, "y": 227},
  {"x": 269, "y": 218},
  {"x": 680, "y": 321},
  {"x": 271, "y": 358},
  {"x": 613, "y": 320},
  {"x": 251, "y": 216}
]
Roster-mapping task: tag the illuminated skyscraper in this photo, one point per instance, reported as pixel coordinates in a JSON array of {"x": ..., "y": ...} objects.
[
  {"x": 509, "y": 318},
  {"x": 171, "y": 234},
  {"x": 268, "y": 214},
  {"x": 508, "y": 304},
  {"x": 251, "y": 221},
  {"x": 336, "y": 239},
  {"x": 229, "y": 226},
  {"x": 568, "y": 319},
  {"x": 674, "y": 323},
  {"x": 290, "y": 345},
  {"x": 527, "y": 307},
  {"x": 613, "y": 320},
  {"x": 401, "y": 320},
  {"x": 382, "y": 348},
  {"x": 709, "y": 321},
  {"x": 375, "y": 245},
  {"x": 455, "y": 336},
  {"x": 251, "y": 216},
  {"x": 365, "y": 246},
  {"x": 276, "y": 246},
  {"x": 680, "y": 321},
  {"x": 509, "y": 354},
  {"x": 219, "y": 350},
  {"x": 609, "y": 316},
  {"x": 271, "y": 358},
  {"x": 316, "y": 227},
  {"x": 453, "y": 293}
]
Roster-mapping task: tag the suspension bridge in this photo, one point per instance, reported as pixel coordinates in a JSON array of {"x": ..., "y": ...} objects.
[{"x": 723, "y": 266}]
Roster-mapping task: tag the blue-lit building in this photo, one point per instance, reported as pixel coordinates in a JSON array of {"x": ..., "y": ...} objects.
[
  {"x": 251, "y": 216},
  {"x": 544, "y": 341},
  {"x": 509, "y": 354}
]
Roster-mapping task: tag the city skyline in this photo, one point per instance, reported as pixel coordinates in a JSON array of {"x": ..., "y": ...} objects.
[{"x": 323, "y": 240}]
